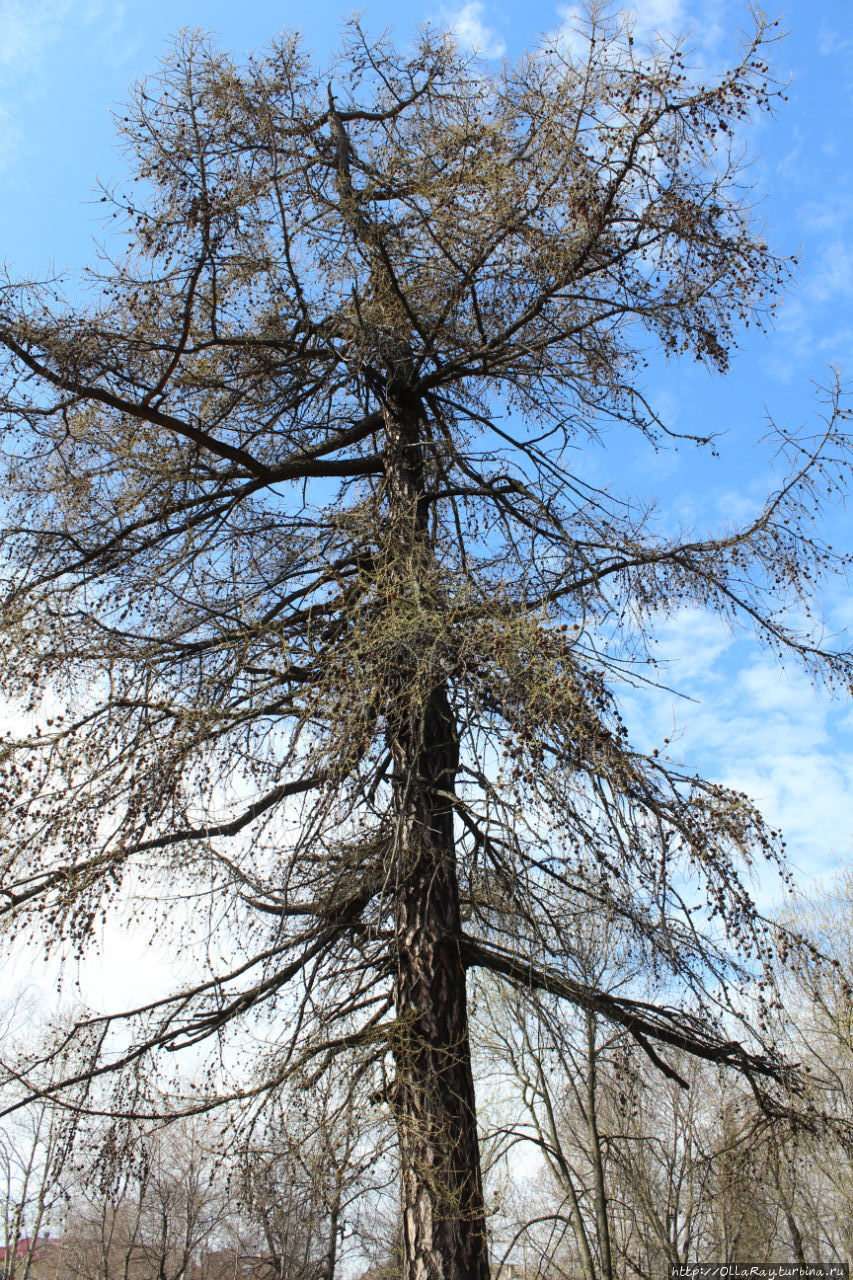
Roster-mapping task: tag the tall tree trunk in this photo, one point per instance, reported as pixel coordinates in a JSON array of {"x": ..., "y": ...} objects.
[
  {"x": 602, "y": 1220},
  {"x": 444, "y": 1236},
  {"x": 786, "y": 1202},
  {"x": 332, "y": 1249}
]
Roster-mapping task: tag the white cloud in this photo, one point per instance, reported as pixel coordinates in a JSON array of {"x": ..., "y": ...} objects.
[
  {"x": 28, "y": 31},
  {"x": 648, "y": 20},
  {"x": 834, "y": 279},
  {"x": 707, "y": 21},
  {"x": 831, "y": 42},
  {"x": 644, "y": 17},
  {"x": 570, "y": 35},
  {"x": 469, "y": 28},
  {"x": 662, "y": 16},
  {"x": 808, "y": 320},
  {"x": 832, "y": 213},
  {"x": 759, "y": 730},
  {"x": 691, "y": 643},
  {"x": 124, "y": 969}
]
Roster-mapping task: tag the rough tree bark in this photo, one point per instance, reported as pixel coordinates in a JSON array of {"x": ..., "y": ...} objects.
[{"x": 443, "y": 1217}]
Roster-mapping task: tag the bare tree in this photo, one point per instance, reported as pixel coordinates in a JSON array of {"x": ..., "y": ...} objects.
[
  {"x": 34, "y": 1147},
  {"x": 39, "y": 1139},
  {"x": 640, "y": 1173},
  {"x": 148, "y": 1202},
  {"x": 333, "y": 639},
  {"x": 807, "y": 1171},
  {"x": 312, "y": 1176},
  {"x": 559, "y": 1069},
  {"x": 678, "y": 1167}
]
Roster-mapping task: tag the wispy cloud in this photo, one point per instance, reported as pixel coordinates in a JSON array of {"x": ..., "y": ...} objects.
[
  {"x": 470, "y": 29},
  {"x": 649, "y": 21},
  {"x": 831, "y": 42},
  {"x": 645, "y": 18},
  {"x": 29, "y": 30},
  {"x": 28, "y": 33},
  {"x": 759, "y": 730},
  {"x": 31, "y": 34},
  {"x": 658, "y": 16}
]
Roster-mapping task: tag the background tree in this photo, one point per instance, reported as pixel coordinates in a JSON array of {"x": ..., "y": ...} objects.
[
  {"x": 559, "y": 1066},
  {"x": 689, "y": 1172},
  {"x": 38, "y": 1139},
  {"x": 295, "y": 545},
  {"x": 296, "y": 1192},
  {"x": 147, "y": 1201},
  {"x": 34, "y": 1147},
  {"x": 312, "y": 1175},
  {"x": 808, "y": 1174}
]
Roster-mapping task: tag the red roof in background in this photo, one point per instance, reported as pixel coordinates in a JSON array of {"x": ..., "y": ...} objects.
[{"x": 22, "y": 1248}]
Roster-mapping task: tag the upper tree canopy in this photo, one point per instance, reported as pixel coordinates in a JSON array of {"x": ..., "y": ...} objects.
[{"x": 301, "y": 461}]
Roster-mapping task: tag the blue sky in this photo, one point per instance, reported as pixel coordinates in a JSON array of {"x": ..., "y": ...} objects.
[{"x": 65, "y": 63}]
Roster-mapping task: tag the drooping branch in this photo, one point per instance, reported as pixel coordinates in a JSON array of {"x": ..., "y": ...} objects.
[{"x": 646, "y": 1022}]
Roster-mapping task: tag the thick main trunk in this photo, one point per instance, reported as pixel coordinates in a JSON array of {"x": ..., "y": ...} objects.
[
  {"x": 443, "y": 1218},
  {"x": 442, "y": 1199}
]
